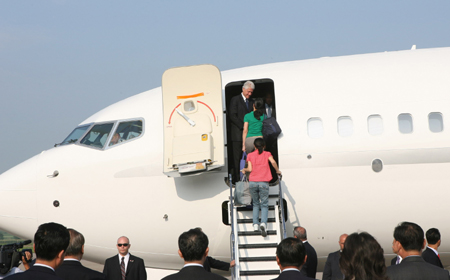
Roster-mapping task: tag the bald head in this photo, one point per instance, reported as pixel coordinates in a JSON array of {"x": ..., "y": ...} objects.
[
  {"x": 342, "y": 239},
  {"x": 300, "y": 233}
]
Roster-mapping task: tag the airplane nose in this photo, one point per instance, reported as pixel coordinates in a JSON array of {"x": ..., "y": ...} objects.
[{"x": 18, "y": 193}]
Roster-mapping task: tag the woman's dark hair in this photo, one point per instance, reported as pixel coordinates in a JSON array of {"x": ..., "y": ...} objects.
[
  {"x": 362, "y": 258},
  {"x": 259, "y": 145},
  {"x": 260, "y": 108}
]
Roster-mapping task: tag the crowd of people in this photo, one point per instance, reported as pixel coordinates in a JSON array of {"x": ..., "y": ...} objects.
[
  {"x": 361, "y": 257},
  {"x": 59, "y": 251}
]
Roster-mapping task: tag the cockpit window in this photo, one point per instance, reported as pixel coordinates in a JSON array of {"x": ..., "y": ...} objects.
[
  {"x": 75, "y": 135},
  {"x": 126, "y": 131},
  {"x": 98, "y": 135}
]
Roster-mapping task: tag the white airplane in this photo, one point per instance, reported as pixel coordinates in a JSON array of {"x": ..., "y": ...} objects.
[{"x": 365, "y": 145}]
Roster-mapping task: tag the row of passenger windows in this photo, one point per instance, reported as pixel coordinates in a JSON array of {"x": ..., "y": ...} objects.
[
  {"x": 374, "y": 125},
  {"x": 99, "y": 134}
]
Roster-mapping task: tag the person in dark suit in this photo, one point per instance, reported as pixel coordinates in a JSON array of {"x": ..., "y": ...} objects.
[
  {"x": 50, "y": 243},
  {"x": 124, "y": 266},
  {"x": 310, "y": 267},
  {"x": 240, "y": 105},
  {"x": 71, "y": 268},
  {"x": 291, "y": 255},
  {"x": 362, "y": 258},
  {"x": 193, "y": 248},
  {"x": 332, "y": 271},
  {"x": 270, "y": 106},
  {"x": 431, "y": 255},
  {"x": 211, "y": 262},
  {"x": 409, "y": 242}
]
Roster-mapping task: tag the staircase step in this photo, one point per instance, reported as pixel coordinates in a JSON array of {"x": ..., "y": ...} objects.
[
  {"x": 245, "y": 221},
  {"x": 260, "y": 272},
  {"x": 257, "y": 259},
  {"x": 242, "y": 209},
  {"x": 258, "y": 245},
  {"x": 251, "y": 233}
]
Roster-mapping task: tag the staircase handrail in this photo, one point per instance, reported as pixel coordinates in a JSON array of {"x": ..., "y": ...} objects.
[
  {"x": 281, "y": 203},
  {"x": 232, "y": 238}
]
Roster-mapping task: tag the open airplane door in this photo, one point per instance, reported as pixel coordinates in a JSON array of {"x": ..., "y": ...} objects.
[{"x": 193, "y": 120}]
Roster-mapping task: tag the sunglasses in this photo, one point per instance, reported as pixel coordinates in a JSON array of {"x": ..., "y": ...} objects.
[{"x": 124, "y": 244}]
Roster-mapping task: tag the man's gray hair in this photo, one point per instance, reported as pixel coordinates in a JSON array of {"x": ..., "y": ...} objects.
[
  {"x": 300, "y": 232},
  {"x": 249, "y": 84},
  {"x": 76, "y": 243}
]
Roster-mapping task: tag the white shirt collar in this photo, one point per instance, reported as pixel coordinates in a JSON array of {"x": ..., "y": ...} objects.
[
  {"x": 192, "y": 264},
  {"x": 44, "y": 265},
  {"x": 291, "y": 269},
  {"x": 436, "y": 252}
]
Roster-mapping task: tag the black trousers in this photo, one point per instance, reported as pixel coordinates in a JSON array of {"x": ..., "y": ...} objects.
[{"x": 237, "y": 155}]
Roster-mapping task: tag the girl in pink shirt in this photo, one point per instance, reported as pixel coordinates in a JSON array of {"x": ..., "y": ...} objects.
[{"x": 258, "y": 165}]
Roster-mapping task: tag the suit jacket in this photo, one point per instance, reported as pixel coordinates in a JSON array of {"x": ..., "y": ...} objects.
[
  {"x": 394, "y": 260},
  {"x": 238, "y": 109},
  {"x": 430, "y": 257},
  {"x": 213, "y": 263},
  {"x": 135, "y": 269},
  {"x": 274, "y": 113},
  {"x": 332, "y": 271},
  {"x": 74, "y": 270},
  {"x": 309, "y": 268},
  {"x": 35, "y": 273},
  {"x": 193, "y": 273},
  {"x": 292, "y": 275},
  {"x": 415, "y": 268}
]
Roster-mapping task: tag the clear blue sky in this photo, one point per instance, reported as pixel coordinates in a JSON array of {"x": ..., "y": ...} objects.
[{"x": 61, "y": 61}]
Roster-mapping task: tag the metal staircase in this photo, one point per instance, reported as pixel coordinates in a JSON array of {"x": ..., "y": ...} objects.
[{"x": 255, "y": 255}]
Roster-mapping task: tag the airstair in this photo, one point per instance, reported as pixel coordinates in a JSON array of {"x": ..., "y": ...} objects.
[{"x": 254, "y": 254}]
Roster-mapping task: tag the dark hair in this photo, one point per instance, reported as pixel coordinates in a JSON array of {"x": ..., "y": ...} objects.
[
  {"x": 362, "y": 258},
  {"x": 291, "y": 252},
  {"x": 260, "y": 108},
  {"x": 433, "y": 236},
  {"x": 76, "y": 243},
  {"x": 49, "y": 240},
  {"x": 259, "y": 145},
  {"x": 193, "y": 244},
  {"x": 410, "y": 235}
]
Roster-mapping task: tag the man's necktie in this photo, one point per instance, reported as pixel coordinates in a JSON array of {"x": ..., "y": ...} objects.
[
  {"x": 122, "y": 268},
  {"x": 246, "y": 102}
]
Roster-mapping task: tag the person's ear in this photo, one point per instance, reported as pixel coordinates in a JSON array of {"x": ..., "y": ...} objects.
[
  {"x": 206, "y": 252},
  {"x": 82, "y": 249},
  {"x": 424, "y": 244},
  {"x": 180, "y": 254}
]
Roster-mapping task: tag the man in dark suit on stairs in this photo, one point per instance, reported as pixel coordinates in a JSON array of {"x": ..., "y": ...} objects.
[
  {"x": 240, "y": 105},
  {"x": 431, "y": 255},
  {"x": 71, "y": 268},
  {"x": 193, "y": 248},
  {"x": 409, "y": 242},
  {"x": 50, "y": 243},
  {"x": 291, "y": 255},
  {"x": 124, "y": 266},
  {"x": 310, "y": 267}
]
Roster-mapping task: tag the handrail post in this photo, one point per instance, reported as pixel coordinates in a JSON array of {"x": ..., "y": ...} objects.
[
  {"x": 281, "y": 203},
  {"x": 232, "y": 239}
]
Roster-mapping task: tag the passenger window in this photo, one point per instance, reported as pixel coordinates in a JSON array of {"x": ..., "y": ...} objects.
[
  {"x": 75, "y": 135},
  {"x": 126, "y": 131},
  {"x": 435, "y": 122},
  {"x": 405, "y": 123},
  {"x": 345, "y": 126},
  {"x": 315, "y": 128},
  {"x": 98, "y": 135},
  {"x": 375, "y": 124}
]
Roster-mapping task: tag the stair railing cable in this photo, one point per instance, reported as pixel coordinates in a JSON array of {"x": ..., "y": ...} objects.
[
  {"x": 232, "y": 238},
  {"x": 281, "y": 203}
]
